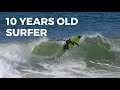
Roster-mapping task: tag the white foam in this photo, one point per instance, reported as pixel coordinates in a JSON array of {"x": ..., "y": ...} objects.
[
  {"x": 7, "y": 70},
  {"x": 10, "y": 57},
  {"x": 32, "y": 44},
  {"x": 93, "y": 35},
  {"x": 64, "y": 69},
  {"x": 115, "y": 46},
  {"x": 13, "y": 54}
]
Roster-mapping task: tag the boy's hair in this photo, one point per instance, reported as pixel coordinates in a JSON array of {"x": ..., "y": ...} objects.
[{"x": 79, "y": 36}]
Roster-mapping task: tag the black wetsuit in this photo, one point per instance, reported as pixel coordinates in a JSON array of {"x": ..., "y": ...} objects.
[{"x": 66, "y": 47}]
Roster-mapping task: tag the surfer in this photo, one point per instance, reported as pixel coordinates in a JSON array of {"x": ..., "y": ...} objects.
[{"x": 66, "y": 47}]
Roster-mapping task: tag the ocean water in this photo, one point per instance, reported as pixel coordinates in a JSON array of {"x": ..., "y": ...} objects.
[{"x": 98, "y": 54}]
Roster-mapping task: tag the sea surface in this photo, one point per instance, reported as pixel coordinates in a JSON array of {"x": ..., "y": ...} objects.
[{"x": 98, "y": 54}]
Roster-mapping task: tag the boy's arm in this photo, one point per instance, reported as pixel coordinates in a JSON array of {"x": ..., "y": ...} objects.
[{"x": 76, "y": 44}]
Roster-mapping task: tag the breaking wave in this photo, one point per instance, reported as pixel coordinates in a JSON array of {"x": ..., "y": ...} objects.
[{"x": 44, "y": 58}]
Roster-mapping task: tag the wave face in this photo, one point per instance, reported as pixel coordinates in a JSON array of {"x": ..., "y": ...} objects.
[{"x": 97, "y": 56}]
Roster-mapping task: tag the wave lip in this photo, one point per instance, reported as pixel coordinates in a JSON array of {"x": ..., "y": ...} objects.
[{"x": 92, "y": 47}]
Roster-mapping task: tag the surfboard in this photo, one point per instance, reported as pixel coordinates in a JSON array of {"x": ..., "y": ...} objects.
[{"x": 74, "y": 39}]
